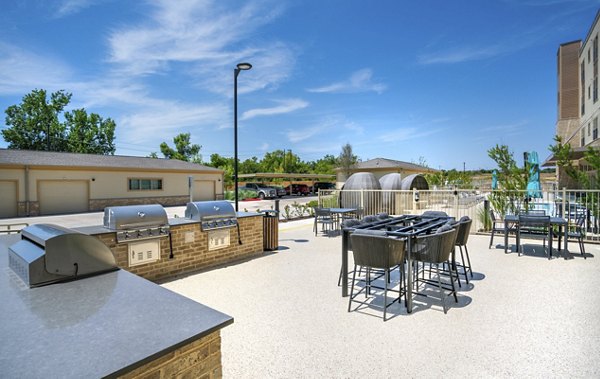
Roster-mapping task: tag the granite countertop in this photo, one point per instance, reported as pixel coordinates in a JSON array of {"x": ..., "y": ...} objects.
[{"x": 105, "y": 325}]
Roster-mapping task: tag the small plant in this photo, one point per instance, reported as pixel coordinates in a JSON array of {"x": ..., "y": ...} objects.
[{"x": 287, "y": 212}]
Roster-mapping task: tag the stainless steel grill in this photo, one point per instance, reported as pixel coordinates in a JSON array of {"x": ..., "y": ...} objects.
[
  {"x": 137, "y": 222},
  {"x": 212, "y": 214},
  {"x": 50, "y": 253}
]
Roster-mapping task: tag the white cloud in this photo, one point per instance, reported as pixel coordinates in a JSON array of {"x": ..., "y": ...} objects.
[
  {"x": 286, "y": 106},
  {"x": 149, "y": 124},
  {"x": 462, "y": 54},
  {"x": 359, "y": 81},
  {"x": 205, "y": 41},
  {"x": 298, "y": 135},
  {"x": 69, "y": 7},
  {"x": 22, "y": 71},
  {"x": 404, "y": 134}
]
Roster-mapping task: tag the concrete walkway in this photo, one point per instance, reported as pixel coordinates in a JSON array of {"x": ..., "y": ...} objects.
[{"x": 520, "y": 317}]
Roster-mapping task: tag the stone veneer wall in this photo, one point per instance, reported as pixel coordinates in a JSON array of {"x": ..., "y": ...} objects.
[
  {"x": 199, "y": 359},
  {"x": 192, "y": 256}
]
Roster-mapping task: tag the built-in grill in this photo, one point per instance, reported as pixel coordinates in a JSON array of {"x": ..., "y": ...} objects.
[
  {"x": 212, "y": 214},
  {"x": 137, "y": 222},
  {"x": 50, "y": 253}
]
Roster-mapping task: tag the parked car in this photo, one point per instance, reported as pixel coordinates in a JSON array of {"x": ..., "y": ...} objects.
[
  {"x": 280, "y": 191},
  {"x": 264, "y": 192},
  {"x": 322, "y": 185},
  {"x": 297, "y": 189}
]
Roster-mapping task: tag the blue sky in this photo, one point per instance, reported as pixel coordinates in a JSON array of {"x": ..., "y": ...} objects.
[{"x": 442, "y": 80}]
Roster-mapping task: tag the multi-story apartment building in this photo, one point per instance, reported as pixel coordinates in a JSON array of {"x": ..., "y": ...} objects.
[{"x": 578, "y": 97}]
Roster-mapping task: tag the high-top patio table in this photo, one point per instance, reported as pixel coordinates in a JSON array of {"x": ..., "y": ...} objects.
[
  {"x": 513, "y": 220},
  {"x": 406, "y": 226},
  {"x": 341, "y": 211}
]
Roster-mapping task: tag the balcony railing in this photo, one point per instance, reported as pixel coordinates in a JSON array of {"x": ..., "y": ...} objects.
[{"x": 570, "y": 204}]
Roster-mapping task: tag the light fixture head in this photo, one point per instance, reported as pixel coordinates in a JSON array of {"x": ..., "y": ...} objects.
[{"x": 244, "y": 66}]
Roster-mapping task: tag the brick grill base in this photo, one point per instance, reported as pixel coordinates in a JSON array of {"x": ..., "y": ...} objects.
[
  {"x": 190, "y": 257},
  {"x": 199, "y": 359}
]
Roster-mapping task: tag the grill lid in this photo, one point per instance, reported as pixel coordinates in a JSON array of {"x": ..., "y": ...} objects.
[
  {"x": 135, "y": 217},
  {"x": 212, "y": 214},
  {"x": 50, "y": 253}
]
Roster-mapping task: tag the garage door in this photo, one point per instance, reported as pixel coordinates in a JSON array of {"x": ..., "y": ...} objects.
[
  {"x": 62, "y": 196},
  {"x": 204, "y": 190},
  {"x": 8, "y": 199}
]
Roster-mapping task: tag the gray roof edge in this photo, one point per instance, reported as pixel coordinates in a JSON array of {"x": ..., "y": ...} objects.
[{"x": 65, "y": 159}]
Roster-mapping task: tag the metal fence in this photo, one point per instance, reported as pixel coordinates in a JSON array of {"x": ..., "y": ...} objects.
[{"x": 570, "y": 204}]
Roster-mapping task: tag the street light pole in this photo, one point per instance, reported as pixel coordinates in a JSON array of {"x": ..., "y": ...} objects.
[{"x": 236, "y": 72}]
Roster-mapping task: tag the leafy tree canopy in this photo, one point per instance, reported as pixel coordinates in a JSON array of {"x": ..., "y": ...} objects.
[
  {"x": 184, "y": 150},
  {"x": 36, "y": 124}
]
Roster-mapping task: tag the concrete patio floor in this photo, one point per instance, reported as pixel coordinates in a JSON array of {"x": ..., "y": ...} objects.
[{"x": 519, "y": 317}]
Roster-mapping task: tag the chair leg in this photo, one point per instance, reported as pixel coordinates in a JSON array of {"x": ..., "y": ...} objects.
[
  {"x": 462, "y": 258},
  {"x": 582, "y": 248},
  {"x": 385, "y": 287},
  {"x": 443, "y": 296},
  {"x": 469, "y": 260},
  {"x": 453, "y": 287},
  {"x": 352, "y": 289},
  {"x": 492, "y": 239}
]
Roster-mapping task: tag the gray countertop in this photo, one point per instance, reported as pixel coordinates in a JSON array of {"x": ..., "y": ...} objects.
[{"x": 100, "y": 326}]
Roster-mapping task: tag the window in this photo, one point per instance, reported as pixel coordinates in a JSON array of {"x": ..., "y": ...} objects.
[
  {"x": 595, "y": 89},
  {"x": 589, "y": 129},
  {"x": 595, "y": 135},
  {"x": 145, "y": 184},
  {"x": 589, "y": 55},
  {"x": 582, "y": 139}
]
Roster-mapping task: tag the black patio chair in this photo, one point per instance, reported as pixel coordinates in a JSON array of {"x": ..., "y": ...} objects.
[
  {"x": 373, "y": 250},
  {"x": 533, "y": 226},
  {"x": 498, "y": 227},
  {"x": 435, "y": 249},
  {"x": 434, "y": 214},
  {"x": 324, "y": 217},
  {"x": 462, "y": 236},
  {"x": 578, "y": 233}
]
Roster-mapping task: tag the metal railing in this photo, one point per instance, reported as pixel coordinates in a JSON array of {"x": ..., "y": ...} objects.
[
  {"x": 569, "y": 204},
  {"x": 12, "y": 228}
]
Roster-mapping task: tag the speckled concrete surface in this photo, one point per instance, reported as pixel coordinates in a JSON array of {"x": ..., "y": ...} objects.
[{"x": 520, "y": 317}]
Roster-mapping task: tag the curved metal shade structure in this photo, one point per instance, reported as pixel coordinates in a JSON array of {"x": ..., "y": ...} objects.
[
  {"x": 415, "y": 181},
  {"x": 391, "y": 181},
  {"x": 389, "y": 184},
  {"x": 352, "y": 197}
]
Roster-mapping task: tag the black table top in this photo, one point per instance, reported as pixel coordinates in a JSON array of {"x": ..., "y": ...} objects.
[{"x": 100, "y": 326}]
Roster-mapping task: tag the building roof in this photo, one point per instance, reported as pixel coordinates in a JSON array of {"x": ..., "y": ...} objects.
[
  {"x": 21, "y": 158},
  {"x": 383, "y": 163}
]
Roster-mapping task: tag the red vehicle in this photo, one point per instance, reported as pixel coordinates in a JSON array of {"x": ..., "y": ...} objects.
[{"x": 297, "y": 189}]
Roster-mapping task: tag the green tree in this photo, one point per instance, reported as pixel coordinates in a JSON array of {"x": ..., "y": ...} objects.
[
  {"x": 34, "y": 124},
  {"x": 225, "y": 164},
  {"x": 325, "y": 165},
  {"x": 89, "y": 133},
  {"x": 562, "y": 152},
  {"x": 249, "y": 166},
  {"x": 346, "y": 159},
  {"x": 184, "y": 149},
  {"x": 512, "y": 180}
]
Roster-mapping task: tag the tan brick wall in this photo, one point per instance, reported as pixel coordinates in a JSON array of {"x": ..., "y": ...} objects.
[
  {"x": 199, "y": 359},
  {"x": 166, "y": 201},
  {"x": 190, "y": 257}
]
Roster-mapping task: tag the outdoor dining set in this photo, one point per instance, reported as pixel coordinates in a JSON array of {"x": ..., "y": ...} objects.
[
  {"x": 422, "y": 249},
  {"x": 424, "y": 253}
]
